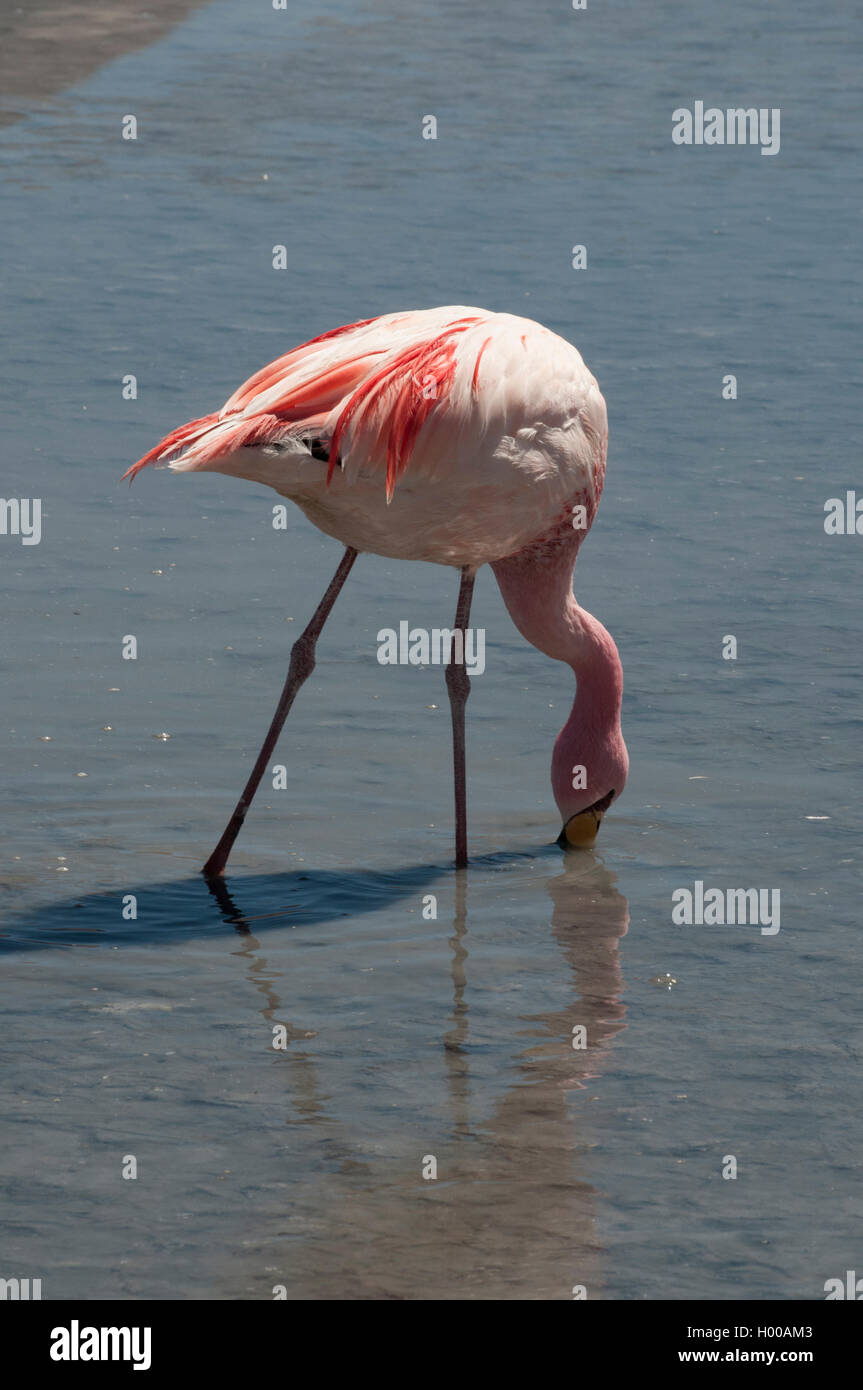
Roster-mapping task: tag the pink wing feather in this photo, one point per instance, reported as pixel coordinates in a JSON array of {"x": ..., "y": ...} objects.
[{"x": 373, "y": 384}]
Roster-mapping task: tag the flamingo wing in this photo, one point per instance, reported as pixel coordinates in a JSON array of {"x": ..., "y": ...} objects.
[{"x": 366, "y": 387}]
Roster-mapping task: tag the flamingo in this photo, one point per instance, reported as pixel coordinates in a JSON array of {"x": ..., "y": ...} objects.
[{"x": 455, "y": 435}]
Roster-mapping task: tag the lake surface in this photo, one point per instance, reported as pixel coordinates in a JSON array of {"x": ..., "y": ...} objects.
[{"x": 409, "y": 1037}]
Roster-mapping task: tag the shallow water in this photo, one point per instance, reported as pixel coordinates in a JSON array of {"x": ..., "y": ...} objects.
[{"x": 408, "y": 1036}]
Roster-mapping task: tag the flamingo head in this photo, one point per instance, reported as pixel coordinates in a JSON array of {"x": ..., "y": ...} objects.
[{"x": 588, "y": 773}]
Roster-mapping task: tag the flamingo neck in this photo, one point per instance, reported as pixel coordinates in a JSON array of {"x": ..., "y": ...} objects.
[{"x": 537, "y": 590}]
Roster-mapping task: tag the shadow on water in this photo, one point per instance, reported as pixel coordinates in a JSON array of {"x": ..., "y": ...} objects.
[
  {"x": 512, "y": 1212},
  {"x": 177, "y": 910}
]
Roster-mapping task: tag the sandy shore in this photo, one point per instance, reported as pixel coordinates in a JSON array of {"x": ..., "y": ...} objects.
[{"x": 46, "y": 45}]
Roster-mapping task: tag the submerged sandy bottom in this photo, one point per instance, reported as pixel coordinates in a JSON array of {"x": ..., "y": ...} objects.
[{"x": 51, "y": 44}]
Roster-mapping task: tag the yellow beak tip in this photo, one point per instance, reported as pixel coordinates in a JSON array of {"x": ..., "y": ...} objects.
[{"x": 580, "y": 831}]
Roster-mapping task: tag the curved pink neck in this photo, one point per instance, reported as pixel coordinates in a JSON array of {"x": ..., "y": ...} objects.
[
  {"x": 537, "y": 590},
  {"x": 536, "y": 586}
]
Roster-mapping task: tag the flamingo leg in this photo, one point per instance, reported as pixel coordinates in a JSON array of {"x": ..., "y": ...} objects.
[
  {"x": 458, "y": 685},
  {"x": 301, "y": 666}
]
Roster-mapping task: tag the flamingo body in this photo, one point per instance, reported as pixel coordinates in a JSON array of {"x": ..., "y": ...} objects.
[{"x": 461, "y": 435}]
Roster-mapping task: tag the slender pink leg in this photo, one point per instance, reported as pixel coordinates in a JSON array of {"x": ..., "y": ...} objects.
[
  {"x": 301, "y": 667},
  {"x": 458, "y": 685}
]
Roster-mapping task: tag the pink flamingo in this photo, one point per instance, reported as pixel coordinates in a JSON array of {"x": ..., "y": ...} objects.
[{"x": 453, "y": 435}]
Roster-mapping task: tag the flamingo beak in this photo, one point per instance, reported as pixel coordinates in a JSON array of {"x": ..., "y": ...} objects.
[{"x": 580, "y": 831}]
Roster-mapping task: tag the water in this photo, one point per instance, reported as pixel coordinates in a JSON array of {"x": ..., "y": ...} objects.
[{"x": 409, "y": 1037}]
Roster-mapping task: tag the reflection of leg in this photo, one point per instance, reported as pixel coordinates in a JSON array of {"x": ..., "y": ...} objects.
[
  {"x": 455, "y": 1039},
  {"x": 458, "y": 686},
  {"x": 301, "y": 667},
  {"x": 228, "y": 908}
]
